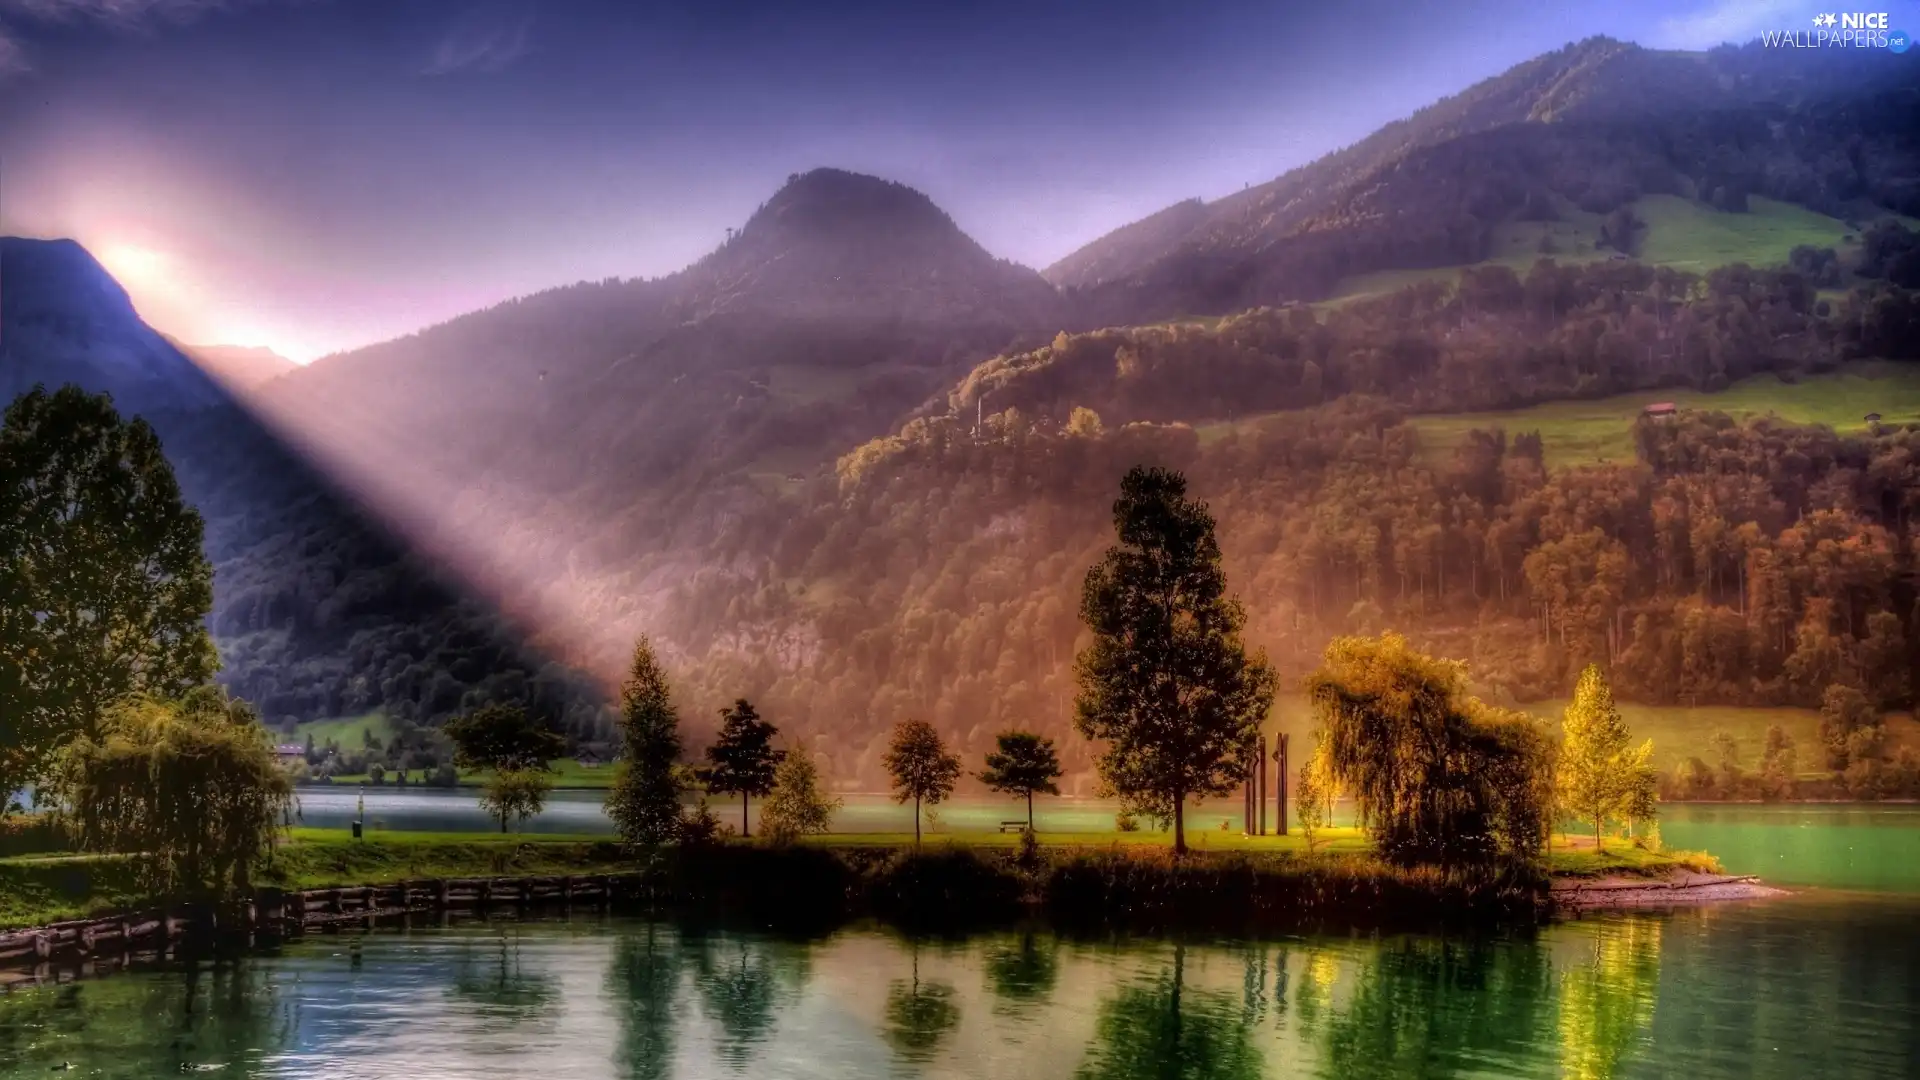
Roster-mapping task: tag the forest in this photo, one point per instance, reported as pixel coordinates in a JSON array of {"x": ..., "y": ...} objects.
[{"x": 1730, "y": 562}]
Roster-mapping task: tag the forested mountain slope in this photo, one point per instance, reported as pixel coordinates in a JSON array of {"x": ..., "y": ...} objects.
[
  {"x": 1590, "y": 127},
  {"x": 318, "y": 609}
]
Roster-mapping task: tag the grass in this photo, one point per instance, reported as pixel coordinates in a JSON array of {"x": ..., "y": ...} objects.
[
  {"x": 1601, "y": 429},
  {"x": 1681, "y": 233},
  {"x": 35, "y": 890},
  {"x": 567, "y": 773},
  {"x": 346, "y": 731}
]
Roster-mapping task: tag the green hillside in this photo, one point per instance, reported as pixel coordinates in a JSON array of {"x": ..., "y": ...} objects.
[
  {"x": 1681, "y": 233},
  {"x": 1584, "y": 432}
]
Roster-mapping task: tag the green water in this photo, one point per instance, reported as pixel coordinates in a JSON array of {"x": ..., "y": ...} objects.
[
  {"x": 1858, "y": 846},
  {"x": 1793, "y": 989}
]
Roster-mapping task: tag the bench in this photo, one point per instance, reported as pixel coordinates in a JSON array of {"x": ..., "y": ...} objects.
[{"x": 1013, "y": 826}]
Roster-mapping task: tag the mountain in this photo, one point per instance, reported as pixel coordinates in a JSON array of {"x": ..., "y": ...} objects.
[
  {"x": 563, "y": 446},
  {"x": 238, "y": 367},
  {"x": 64, "y": 319},
  {"x": 319, "y": 608},
  {"x": 1586, "y": 129}
]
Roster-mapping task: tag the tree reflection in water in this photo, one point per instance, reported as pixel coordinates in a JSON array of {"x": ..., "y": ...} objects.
[
  {"x": 644, "y": 983},
  {"x": 499, "y": 987},
  {"x": 1607, "y": 999},
  {"x": 919, "y": 1015},
  {"x": 1158, "y": 1029},
  {"x": 1022, "y": 972},
  {"x": 742, "y": 983},
  {"x": 1423, "y": 1007},
  {"x": 226, "y": 1015}
]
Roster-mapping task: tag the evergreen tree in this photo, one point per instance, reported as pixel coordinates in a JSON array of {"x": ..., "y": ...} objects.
[
  {"x": 742, "y": 762},
  {"x": 921, "y": 767},
  {"x": 104, "y": 591},
  {"x": 1023, "y": 763},
  {"x": 1600, "y": 773},
  {"x": 644, "y": 802},
  {"x": 1166, "y": 683}
]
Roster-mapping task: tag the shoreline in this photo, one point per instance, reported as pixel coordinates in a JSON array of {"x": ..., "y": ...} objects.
[{"x": 1680, "y": 889}]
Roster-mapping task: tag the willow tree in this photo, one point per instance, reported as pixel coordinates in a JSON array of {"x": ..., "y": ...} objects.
[
  {"x": 104, "y": 591},
  {"x": 644, "y": 802},
  {"x": 1166, "y": 683},
  {"x": 190, "y": 784},
  {"x": 1438, "y": 776}
]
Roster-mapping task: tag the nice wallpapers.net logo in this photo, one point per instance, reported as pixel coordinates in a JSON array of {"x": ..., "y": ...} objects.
[{"x": 1845, "y": 30}]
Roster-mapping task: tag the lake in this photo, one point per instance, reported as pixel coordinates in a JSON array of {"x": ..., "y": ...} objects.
[
  {"x": 1823, "y": 983},
  {"x": 1796, "y": 988}
]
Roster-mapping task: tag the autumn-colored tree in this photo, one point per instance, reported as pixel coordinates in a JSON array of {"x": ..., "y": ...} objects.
[
  {"x": 1437, "y": 775},
  {"x": 921, "y": 767},
  {"x": 1166, "y": 684},
  {"x": 796, "y": 807},
  {"x": 1600, "y": 772}
]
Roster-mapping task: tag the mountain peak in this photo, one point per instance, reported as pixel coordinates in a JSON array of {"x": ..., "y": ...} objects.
[
  {"x": 835, "y": 200},
  {"x": 64, "y": 319}
]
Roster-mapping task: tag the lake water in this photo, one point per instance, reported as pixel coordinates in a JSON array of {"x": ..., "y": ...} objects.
[
  {"x": 1824, "y": 983},
  {"x": 1791, "y": 989}
]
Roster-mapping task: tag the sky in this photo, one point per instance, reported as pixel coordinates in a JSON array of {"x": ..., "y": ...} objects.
[{"x": 315, "y": 175}]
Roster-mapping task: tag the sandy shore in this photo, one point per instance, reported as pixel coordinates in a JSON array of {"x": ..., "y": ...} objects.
[{"x": 1684, "y": 887}]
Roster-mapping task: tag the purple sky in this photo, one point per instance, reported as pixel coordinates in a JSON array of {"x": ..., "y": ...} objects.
[{"x": 314, "y": 175}]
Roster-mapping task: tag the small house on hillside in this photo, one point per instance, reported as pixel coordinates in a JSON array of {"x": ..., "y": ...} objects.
[
  {"x": 1660, "y": 408},
  {"x": 1873, "y": 418},
  {"x": 590, "y": 757},
  {"x": 290, "y": 753}
]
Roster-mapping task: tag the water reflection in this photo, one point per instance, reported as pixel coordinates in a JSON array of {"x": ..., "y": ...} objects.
[
  {"x": 1607, "y": 996},
  {"x": 644, "y": 983},
  {"x": 919, "y": 1014},
  {"x": 1159, "y": 1028},
  {"x": 1022, "y": 972},
  {"x": 742, "y": 983},
  {"x": 1788, "y": 990}
]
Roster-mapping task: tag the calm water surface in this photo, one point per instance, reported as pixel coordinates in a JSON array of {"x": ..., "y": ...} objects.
[
  {"x": 1800, "y": 988},
  {"x": 1825, "y": 983}
]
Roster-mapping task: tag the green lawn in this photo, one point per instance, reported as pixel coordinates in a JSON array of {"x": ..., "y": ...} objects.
[
  {"x": 567, "y": 773},
  {"x": 1681, "y": 233},
  {"x": 1601, "y": 429},
  {"x": 345, "y": 731}
]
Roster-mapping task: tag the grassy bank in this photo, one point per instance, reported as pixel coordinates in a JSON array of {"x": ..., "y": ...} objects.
[{"x": 1132, "y": 880}]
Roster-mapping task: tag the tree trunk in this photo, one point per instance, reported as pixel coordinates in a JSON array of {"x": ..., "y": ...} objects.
[
  {"x": 916, "y": 821},
  {"x": 1029, "y": 811},
  {"x": 1179, "y": 825},
  {"x": 1596, "y": 830},
  {"x": 743, "y": 814},
  {"x": 503, "y": 821}
]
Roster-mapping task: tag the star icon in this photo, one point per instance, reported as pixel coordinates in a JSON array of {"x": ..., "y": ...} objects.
[
  {"x": 1819, "y": 20},
  {"x": 1830, "y": 19}
]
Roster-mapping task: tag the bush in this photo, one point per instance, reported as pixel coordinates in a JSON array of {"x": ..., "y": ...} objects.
[{"x": 32, "y": 834}]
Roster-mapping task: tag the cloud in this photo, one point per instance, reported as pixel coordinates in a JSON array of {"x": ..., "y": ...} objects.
[
  {"x": 487, "y": 38},
  {"x": 1722, "y": 21},
  {"x": 13, "y": 59},
  {"x": 122, "y": 16}
]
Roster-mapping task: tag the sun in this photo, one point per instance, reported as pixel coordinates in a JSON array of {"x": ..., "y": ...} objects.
[{"x": 136, "y": 268}]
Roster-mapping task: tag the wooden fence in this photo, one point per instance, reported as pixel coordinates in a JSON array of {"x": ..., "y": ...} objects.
[{"x": 275, "y": 913}]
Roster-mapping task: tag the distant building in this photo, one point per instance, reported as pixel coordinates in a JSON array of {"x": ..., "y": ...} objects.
[
  {"x": 590, "y": 758},
  {"x": 1873, "y": 418},
  {"x": 1661, "y": 408},
  {"x": 290, "y": 753}
]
